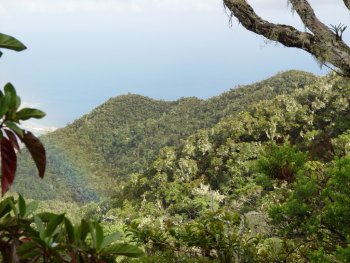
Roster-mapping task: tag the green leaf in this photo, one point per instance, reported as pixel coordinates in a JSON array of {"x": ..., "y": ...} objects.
[
  {"x": 5, "y": 206},
  {"x": 18, "y": 102},
  {"x": 124, "y": 250},
  {"x": 93, "y": 234},
  {"x": 40, "y": 226},
  {"x": 46, "y": 216},
  {"x": 37, "y": 150},
  {"x": 82, "y": 230},
  {"x": 31, "y": 207},
  {"x": 21, "y": 206},
  {"x": 69, "y": 230},
  {"x": 4, "y": 104},
  {"x": 27, "y": 113},
  {"x": 108, "y": 240},
  {"x": 13, "y": 126},
  {"x": 53, "y": 224},
  {"x": 10, "y": 89},
  {"x": 12, "y": 43},
  {"x": 99, "y": 235},
  {"x": 27, "y": 250}
]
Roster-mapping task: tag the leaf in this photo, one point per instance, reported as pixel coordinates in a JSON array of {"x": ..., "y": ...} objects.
[
  {"x": 83, "y": 230},
  {"x": 124, "y": 250},
  {"x": 31, "y": 207},
  {"x": 40, "y": 226},
  {"x": 5, "y": 206},
  {"x": 46, "y": 216},
  {"x": 53, "y": 224},
  {"x": 4, "y": 104},
  {"x": 27, "y": 113},
  {"x": 27, "y": 250},
  {"x": 10, "y": 89},
  {"x": 93, "y": 234},
  {"x": 11, "y": 43},
  {"x": 13, "y": 139},
  {"x": 8, "y": 164},
  {"x": 21, "y": 206},
  {"x": 99, "y": 235},
  {"x": 18, "y": 102},
  {"x": 37, "y": 150},
  {"x": 69, "y": 230},
  {"x": 110, "y": 239},
  {"x": 14, "y": 127}
]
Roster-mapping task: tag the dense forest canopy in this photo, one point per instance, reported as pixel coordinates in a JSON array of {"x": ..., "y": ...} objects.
[
  {"x": 123, "y": 135},
  {"x": 260, "y": 173}
]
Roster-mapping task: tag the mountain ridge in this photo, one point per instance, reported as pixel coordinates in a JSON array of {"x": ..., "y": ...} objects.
[{"x": 124, "y": 134}]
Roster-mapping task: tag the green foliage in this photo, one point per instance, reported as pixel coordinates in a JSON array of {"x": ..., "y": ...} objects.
[
  {"x": 47, "y": 237},
  {"x": 10, "y": 132},
  {"x": 12, "y": 43},
  {"x": 275, "y": 165},
  {"x": 281, "y": 162},
  {"x": 125, "y": 134}
]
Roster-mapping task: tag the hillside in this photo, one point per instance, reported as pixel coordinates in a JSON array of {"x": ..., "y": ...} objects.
[
  {"x": 269, "y": 184},
  {"x": 90, "y": 158}
]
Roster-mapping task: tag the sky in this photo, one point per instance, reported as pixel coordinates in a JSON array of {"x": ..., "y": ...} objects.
[{"x": 82, "y": 52}]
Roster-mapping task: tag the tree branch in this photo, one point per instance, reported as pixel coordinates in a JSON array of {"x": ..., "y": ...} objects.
[
  {"x": 310, "y": 20},
  {"x": 321, "y": 42},
  {"x": 285, "y": 34},
  {"x": 347, "y": 3}
]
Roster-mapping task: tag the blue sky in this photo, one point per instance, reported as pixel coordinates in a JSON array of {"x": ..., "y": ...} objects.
[{"x": 82, "y": 52}]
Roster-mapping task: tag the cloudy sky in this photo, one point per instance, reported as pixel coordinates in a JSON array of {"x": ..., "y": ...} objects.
[{"x": 82, "y": 52}]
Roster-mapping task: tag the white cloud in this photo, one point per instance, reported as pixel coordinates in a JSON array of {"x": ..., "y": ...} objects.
[{"x": 36, "y": 128}]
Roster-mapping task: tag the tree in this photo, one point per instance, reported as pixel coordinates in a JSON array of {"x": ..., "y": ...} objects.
[
  {"x": 323, "y": 42},
  {"x": 11, "y": 134},
  {"x": 45, "y": 237}
]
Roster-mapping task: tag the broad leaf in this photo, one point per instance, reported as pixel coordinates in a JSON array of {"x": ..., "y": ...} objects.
[
  {"x": 31, "y": 207},
  {"x": 37, "y": 150},
  {"x": 27, "y": 113},
  {"x": 99, "y": 235},
  {"x": 69, "y": 230},
  {"x": 53, "y": 224},
  {"x": 27, "y": 250},
  {"x": 108, "y": 240},
  {"x": 40, "y": 226},
  {"x": 11, "y": 43},
  {"x": 13, "y": 139},
  {"x": 124, "y": 250},
  {"x": 46, "y": 216},
  {"x": 4, "y": 104},
  {"x": 10, "y": 89},
  {"x": 82, "y": 230},
  {"x": 21, "y": 206},
  {"x": 13, "y": 126},
  {"x": 5, "y": 206},
  {"x": 8, "y": 164}
]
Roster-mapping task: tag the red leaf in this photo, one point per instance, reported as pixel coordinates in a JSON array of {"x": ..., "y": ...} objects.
[
  {"x": 13, "y": 139},
  {"x": 8, "y": 164},
  {"x": 37, "y": 150}
]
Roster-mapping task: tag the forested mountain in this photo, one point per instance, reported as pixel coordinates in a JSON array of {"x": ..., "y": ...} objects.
[
  {"x": 90, "y": 158},
  {"x": 269, "y": 184},
  {"x": 258, "y": 174}
]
